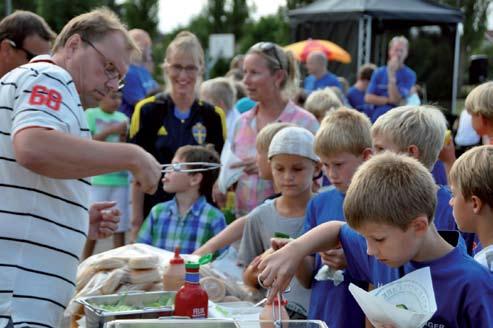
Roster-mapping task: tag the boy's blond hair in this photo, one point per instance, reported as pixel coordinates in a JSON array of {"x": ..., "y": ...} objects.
[
  {"x": 472, "y": 174},
  {"x": 422, "y": 126},
  {"x": 390, "y": 189},
  {"x": 480, "y": 100},
  {"x": 343, "y": 130},
  {"x": 220, "y": 90},
  {"x": 93, "y": 26},
  {"x": 320, "y": 102},
  {"x": 264, "y": 137}
]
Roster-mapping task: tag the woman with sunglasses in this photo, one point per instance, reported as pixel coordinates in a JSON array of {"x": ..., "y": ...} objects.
[
  {"x": 163, "y": 123},
  {"x": 270, "y": 77}
]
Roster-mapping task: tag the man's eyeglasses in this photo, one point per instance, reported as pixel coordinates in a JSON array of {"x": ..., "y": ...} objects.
[
  {"x": 176, "y": 69},
  {"x": 29, "y": 55},
  {"x": 269, "y": 47},
  {"x": 110, "y": 69}
]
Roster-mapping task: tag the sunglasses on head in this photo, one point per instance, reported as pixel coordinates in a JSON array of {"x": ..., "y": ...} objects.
[
  {"x": 269, "y": 47},
  {"x": 29, "y": 55}
]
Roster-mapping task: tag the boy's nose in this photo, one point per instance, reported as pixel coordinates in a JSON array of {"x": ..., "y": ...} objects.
[{"x": 370, "y": 249}]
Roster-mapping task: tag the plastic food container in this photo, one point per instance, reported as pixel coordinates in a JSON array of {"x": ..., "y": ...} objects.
[{"x": 97, "y": 315}]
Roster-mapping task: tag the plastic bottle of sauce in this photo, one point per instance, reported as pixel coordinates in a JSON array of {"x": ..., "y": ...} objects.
[
  {"x": 191, "y": 300},
  {"x": 174, "y": 275},
  {"x": 270, "y": 314}
]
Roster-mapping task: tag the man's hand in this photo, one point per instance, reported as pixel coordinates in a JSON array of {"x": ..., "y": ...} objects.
[
  {"x": 147, "y": 172},
  {"x": 393, "y": 65},
  {"x": 334, "y": 258},
  {"x": 103, "y": 220}
]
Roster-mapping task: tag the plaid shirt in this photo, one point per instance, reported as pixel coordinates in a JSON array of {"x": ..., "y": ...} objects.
[
  {"x": 164, "y": 228},
  {"x": 251, "y": 190}
]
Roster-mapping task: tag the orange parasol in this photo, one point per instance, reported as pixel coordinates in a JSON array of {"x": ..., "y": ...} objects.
[{"x": 301, "y": 50}]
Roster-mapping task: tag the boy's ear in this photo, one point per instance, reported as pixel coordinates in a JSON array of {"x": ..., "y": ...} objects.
[
  {"x": 420, "y": 225},
  {"x": 367, "y": 153},
  {"x": 413, "y": 151},
  {"x": 477, "y": 204},
  {"x": 196, "y": 179}
]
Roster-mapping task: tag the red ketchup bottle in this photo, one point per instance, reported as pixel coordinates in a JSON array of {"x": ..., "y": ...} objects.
[{"x": 191, "y": 300}]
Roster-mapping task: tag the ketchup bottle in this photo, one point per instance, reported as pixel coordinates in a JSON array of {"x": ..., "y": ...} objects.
[{"x": 191, "y": 300}]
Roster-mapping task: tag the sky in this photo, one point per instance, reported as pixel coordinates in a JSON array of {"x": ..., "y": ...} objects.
[{"x": 179, "y": 12}]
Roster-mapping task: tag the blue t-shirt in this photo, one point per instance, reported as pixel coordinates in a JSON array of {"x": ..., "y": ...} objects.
[
  {"x": 328, "y": 80},
  {"x": 463, "y": 288},
  {"x": 356, "y": 99},
  {"x": 406, "y": 79},
  {"x": 138, "y": 84},
  {"x": 333, "y": 304},
  {"x": 439, "y": 173}
]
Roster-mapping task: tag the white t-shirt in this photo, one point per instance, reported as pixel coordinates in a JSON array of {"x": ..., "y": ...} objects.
[
  {"x": 44, "y": 221},
  {"x": 485, "y": 257}
]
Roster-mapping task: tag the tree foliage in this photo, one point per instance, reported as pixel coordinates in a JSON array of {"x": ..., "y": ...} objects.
[{"x": 141, "y": 14}]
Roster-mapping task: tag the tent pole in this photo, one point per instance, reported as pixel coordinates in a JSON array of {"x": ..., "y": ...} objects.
[
  {"x": 458, "y": 33},
  {"x": 364, "y": 40}
]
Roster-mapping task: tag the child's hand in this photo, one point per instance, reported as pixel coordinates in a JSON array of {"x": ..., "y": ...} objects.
[
  {"x": 278, "y": 243},
  {"x": 279, "y": 268},
  {"x": 103, "y": 220},
  {"x": 334, "y": 258},
  {"x": 249, "y": 164}
]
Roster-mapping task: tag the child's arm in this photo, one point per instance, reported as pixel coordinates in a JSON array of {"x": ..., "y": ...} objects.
[
  {"x": 304, "y": 273},
  {"x": 114, "y": 128},
  {"x": 229, "y": 235},
  {"x": 137, "y": 212},
  {"x": 279, "y": 268}
]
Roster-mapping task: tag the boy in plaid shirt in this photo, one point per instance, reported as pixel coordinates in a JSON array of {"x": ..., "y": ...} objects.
[{"x": 188, "y": 220}]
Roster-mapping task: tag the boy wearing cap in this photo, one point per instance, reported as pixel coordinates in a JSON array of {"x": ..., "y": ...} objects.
[{"x": 294, "y": 165}]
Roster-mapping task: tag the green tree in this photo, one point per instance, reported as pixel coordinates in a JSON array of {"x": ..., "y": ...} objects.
[
  {"x": 273, "y": 28},
  {"x": 141, "y": 14}
]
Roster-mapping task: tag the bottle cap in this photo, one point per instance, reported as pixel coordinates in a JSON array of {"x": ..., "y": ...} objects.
[
  {"x": 177, "y": 259},
  {"x": 192, "y": 265},
  {"x": 280, "y": 235}
]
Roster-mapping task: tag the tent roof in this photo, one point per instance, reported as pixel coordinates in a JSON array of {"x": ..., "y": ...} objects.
[{"x": 411, "y": 10}]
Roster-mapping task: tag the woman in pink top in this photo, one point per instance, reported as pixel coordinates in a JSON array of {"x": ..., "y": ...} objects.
[{"x": 270, "y": 76}]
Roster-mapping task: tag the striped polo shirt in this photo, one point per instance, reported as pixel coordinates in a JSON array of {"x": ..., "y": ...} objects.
[{"x": 44, "y": 221}]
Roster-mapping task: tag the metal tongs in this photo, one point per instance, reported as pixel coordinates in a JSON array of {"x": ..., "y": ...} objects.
[
  {"x": 189, "y": 167},
  {"x": 277, "y": 322}
]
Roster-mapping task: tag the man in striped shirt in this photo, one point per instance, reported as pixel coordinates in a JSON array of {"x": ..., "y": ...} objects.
[{"x": 46, "y": 156}]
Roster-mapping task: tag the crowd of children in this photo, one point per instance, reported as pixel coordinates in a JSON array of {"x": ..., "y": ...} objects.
[{"x": 371, "y": 201}]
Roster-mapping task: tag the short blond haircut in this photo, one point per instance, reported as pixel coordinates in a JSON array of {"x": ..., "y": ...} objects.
[
  {"x": 480, "y": 100},
  {"x": 264, "y": 137},
  {"x": 94, "y": 26},
  {"x": 320, "y": 102},
  {"x": 472, "y": 174},
  {"x": 220, "y": 90},
  {"x": 391, "y": 189},
  {"x": 422, "y": 126},
  {"x": 344, "y": 130}
]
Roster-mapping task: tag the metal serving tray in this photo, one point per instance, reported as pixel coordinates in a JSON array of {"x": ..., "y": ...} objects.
[
  {"x": 96, "y": 317},
  {"x": 211, "y": 323}
]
